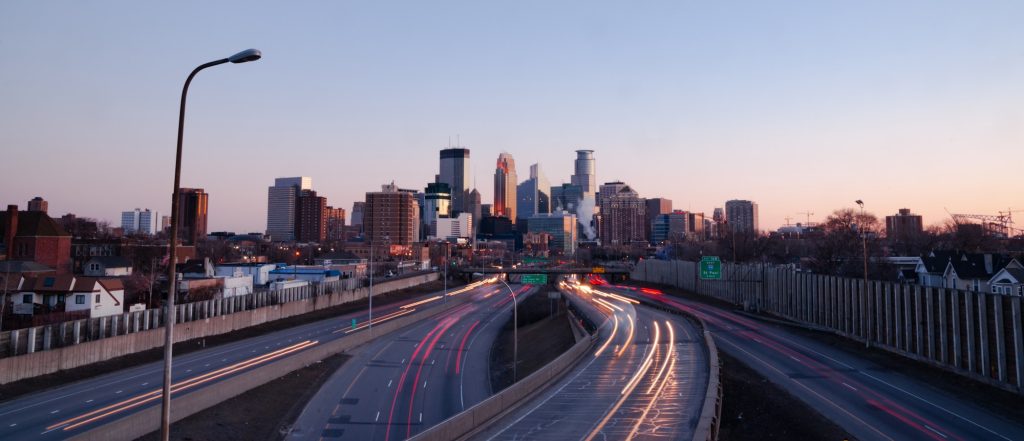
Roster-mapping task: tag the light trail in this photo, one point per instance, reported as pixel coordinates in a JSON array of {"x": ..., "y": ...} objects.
[
  {"x": 421, "y": 302},
  {"x": 668, "y": 355},
  {"x": 608, "y": 304},
  {"x": 629, "y": 387},
  {"x": 607, "y": 342},
  {"x": 122, "y": 406},
  {"x": 377, "y": 320},
  {"x": 629, "y": 337}
]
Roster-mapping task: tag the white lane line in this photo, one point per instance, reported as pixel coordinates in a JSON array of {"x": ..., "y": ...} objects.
[
  {"x": 223, "y": 360},
  {"x": 188, "y": 370},
  {"x": 794, "y": 358},
  {"x": 389, "y": 383},
  {"x": 432, "y": 362},
  {"x": 58, "y": 410},
  {"x": 851, "y": 387},
  {"x": 403, "y": 361},
  {"x": 424, "y": 384},
  {"x": 88, "y": 401},
  {"x": 936, "y": 431},
  {"x": 118, "y": 391},
  {"x": 377, "y": 418},
  {"x": 145, "y": 384},
  {"x": 12, "y": 425},
  {"x": 421, "y": 417}
]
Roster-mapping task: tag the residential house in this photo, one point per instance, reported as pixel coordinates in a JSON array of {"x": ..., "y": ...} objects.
[
  {"x": 1009, "y": 280},
  {"x": 108, "y": 266},
  {"x": 972, "y": 271},
  {"x": 96, "y": 297}
]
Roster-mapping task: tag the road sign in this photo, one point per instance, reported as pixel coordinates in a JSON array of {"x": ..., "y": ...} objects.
[
  {"x": 535, "y": 279},
  {"x": 710, "y": 268},
  {"x": 597, "y": 270},
  {"x": 535, "y": 260}
]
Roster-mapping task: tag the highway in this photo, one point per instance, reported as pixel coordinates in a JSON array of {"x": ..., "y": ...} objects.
[
  {"x": 68, "y": 410},
  {"x": 397, "y": 386},
  {"x": 646, "y": 378},
  {"x": 867, "y": 400}
]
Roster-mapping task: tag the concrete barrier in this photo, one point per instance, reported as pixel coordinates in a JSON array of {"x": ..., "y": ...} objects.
[
  {"x": 148, "y": 420},
  {"x": 68, "y": 357}
]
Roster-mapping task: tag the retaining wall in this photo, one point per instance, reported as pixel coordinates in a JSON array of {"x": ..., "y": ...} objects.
[
  {"x": 975, "y": 334},
  {"x": 115, "y": 336}
]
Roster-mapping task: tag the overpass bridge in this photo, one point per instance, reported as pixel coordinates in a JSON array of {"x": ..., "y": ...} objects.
[{"x": 613, "y": 274}]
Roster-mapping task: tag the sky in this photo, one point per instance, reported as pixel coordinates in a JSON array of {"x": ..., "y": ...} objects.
[{"x": 798, "y": 105}]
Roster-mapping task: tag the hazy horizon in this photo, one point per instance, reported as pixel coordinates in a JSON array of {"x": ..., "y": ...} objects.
[{"x": 797, "y": 106}]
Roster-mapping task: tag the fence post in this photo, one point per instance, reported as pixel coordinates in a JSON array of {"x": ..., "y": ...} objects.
[
  {"x": 969, "y": 314},
  {"x": 954, "y": 296},
  {"x": 997, "y": 311},
  {"x": 918, "y": 322},
  {"x": 14, "y": 341},
  {"x": 1018, "y": 341},
  {"x": 76, "y": 331},
  {"x": 986, "y": 364},
  {"x": 943, "y": 323},
  {"x": 31, "y": 340},
  {"x": 47, "y": 337},
  {"x": 908, "y": 324},
  {"x": 103, "y": 328},
  {"x": 930, "y": 321}
]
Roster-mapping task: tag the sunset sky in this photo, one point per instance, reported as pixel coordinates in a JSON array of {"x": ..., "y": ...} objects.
[{"x": 796, "y": 105}]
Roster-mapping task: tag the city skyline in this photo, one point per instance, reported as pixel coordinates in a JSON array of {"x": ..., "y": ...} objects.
[{"x": 728, "y": 105}]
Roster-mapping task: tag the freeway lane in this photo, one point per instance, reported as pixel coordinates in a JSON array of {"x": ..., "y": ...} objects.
[
  {"x": 397, "y": 386},
  {"x": 869, "y": 401},
  {"x": 62, "y": 412},
  {"x": 646, "y": 378}
]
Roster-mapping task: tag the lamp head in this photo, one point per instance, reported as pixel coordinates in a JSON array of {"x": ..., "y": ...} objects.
[{"x": 246, "y": 56}]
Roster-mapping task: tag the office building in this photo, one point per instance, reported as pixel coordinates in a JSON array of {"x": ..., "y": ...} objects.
[
  {"x": 476, "y": 209},
  {"x": 505, "y": 187},
  {"x": 585, "y": 176},
  {"x": 607, "y": 190},
  {"x": 533, "y": 194},
  {"x": 561, "y": 226},
  {"x": 566, "y": 197},
  {"x": 903, "y": 225},
  {"x": 192, "y": 215},
  {"x": 38, "y": 204},
  {"x": 455, "y": 173},
  {"x": 437, "y": 200},
  {"x": 677, "y": 226},
  {"x": 310, "y": 217},
  {"x": 453, "y": 228},
  {"x": 281, "y": 200},
  {"x": 655, "y": 207},
  {"x": 138, "y": 222},
  {"x": 741, "y": 216},
  {"x": 391, "y": 218},
  {"x": 335, "y": 223},
  {"x": 622, "y": 218}
]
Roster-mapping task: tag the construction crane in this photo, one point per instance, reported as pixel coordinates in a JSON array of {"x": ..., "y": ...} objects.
[
  {"x": 808, "y": 214},
  {"x": 1004, "y": 220}
]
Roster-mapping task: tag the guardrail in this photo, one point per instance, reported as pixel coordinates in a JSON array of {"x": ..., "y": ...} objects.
[
  {"x": 148, "y": 420},
  {"x": 477, "y": 417}
]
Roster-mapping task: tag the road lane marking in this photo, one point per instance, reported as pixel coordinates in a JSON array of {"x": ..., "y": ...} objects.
[
  {"x": 58, "y": 410},
  {"x": 12, "y": 425},
  {"x": 795, "y": 359},
  {"x": 421, "y": 417},
  {"x": 851, "y": 387},
  {"x": 145, "y": 384},
  {"x": 377, "y": 418},
  {"x": 118, "y": 391},
  {"x": 389, "y": 383}
]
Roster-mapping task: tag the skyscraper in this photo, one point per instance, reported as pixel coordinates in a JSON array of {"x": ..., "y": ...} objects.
[
  {"x": 358, "y": 208},
  {"x": 391, "y": 218},
  {"x": 741, "y": 216},
  {"x": 455, "y": 173},
  {"x": 192, "y": 214},
  {"x": 656, "y": 206},
  {"x": 310, "y": 217},
  {"x": 533, "y": 194},
  {"x": 505, "y": 187},
  {"x": 585, "y": 175},
  {"x": 476, "y": 208},
  {"x": 281, "y": 200}
]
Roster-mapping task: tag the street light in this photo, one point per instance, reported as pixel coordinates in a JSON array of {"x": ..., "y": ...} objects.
[
  {"x": 864, "y": 297},
  {"x": 515, "y": 328},
  {"x": 165, "y": 416}
]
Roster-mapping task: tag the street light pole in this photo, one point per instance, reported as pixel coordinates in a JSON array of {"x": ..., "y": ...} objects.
[
  {"x": 165, "y": 415},
  {"x": 515, "y": 329}
]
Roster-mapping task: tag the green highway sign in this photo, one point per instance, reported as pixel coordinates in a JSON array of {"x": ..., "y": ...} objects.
[
  {"x": 710, "y": 268},
  {"x": 535, "y": 260},
  {"x": 535, "y": 279}
]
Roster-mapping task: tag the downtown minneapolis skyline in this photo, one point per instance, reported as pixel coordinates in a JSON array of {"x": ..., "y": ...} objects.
[{"x": 795, "y": 105}]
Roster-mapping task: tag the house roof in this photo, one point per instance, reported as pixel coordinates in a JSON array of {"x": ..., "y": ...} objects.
[
  {"x": 978, "y": 266},
  {"x": 22, "y": 266},
  {"x": 112, "y": 261},
  {"x": 33, "y": 223},
  {"x": 112, "y": 285},
  {"x": 85, "y": 284},
  {"x": 63, "y": 283}
]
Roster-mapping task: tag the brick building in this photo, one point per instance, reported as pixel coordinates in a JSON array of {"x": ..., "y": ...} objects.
[{"x": 34, "y": 236}]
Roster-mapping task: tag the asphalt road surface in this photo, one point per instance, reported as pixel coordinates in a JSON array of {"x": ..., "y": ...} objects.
[
  {"x": 68, "y": 410},
  {"x": 397, "y": 386},
  {"x": 869, "y": 401},
  {"x": 646, "y": 378}
]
